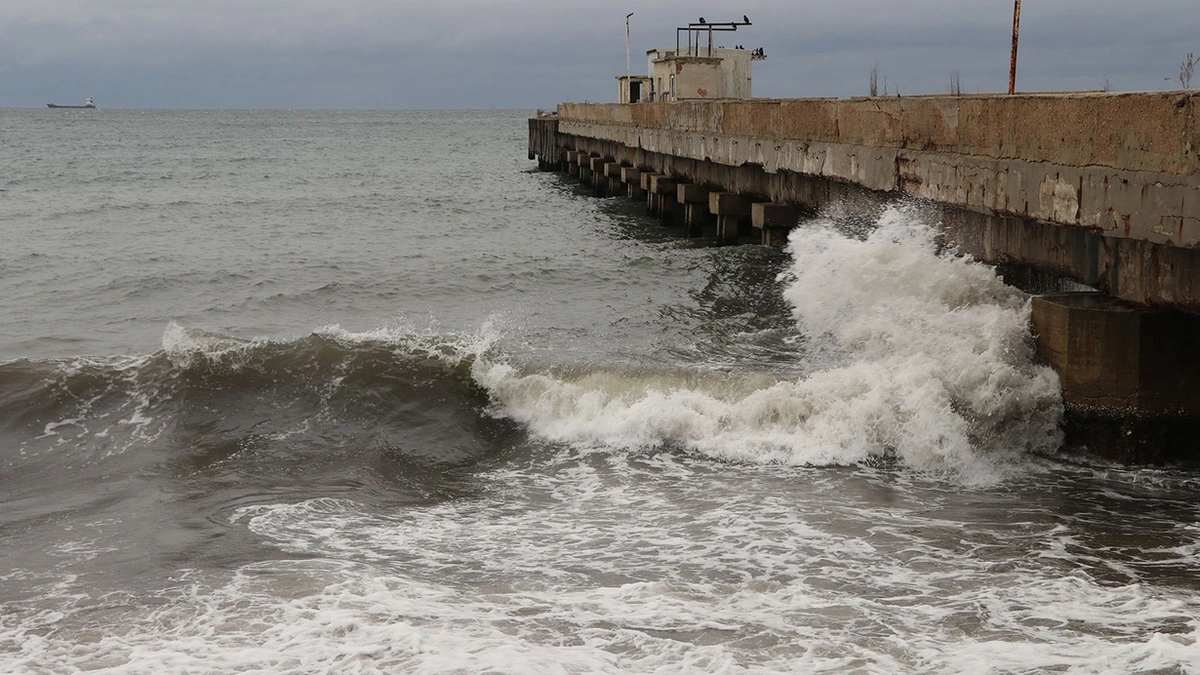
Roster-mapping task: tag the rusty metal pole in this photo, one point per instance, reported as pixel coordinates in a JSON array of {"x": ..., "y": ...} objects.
[
  {"x": 1012, "y": 69},
  {"x": 627, "y": 72}
]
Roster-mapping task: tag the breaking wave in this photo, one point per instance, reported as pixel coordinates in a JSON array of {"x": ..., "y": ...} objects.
[{"x": 914, "y": 353}]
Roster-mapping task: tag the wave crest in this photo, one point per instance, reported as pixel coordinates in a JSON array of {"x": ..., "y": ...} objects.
[{"x": 915, "y": 353}]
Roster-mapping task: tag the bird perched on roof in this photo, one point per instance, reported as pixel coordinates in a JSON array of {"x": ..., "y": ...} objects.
[
  {"x": 702, "y": 20},
  {"x": 746, "y": 19}
]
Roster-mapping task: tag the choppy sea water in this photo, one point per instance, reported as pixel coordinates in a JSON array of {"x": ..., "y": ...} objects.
[{"x": 362, "y": 392}]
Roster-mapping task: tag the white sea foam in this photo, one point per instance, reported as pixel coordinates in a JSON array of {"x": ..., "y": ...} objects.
[
  {"x": 606, "y": 563},
  {"x": 916, "y": 353}
]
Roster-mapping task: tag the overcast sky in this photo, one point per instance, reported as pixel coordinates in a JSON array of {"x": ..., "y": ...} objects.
[{"x": 536, "y": 53}]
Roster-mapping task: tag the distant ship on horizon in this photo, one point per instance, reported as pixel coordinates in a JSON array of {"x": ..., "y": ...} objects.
[{"x": 87, "y": 104}]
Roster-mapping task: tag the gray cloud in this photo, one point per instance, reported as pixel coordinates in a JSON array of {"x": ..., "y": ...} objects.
[{"x": 530, "y": 53}]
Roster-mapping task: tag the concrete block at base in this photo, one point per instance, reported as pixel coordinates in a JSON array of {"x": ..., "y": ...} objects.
[
  {"x": 1123, "y": 364},
  {"x": 767, "y": 215},
  {"x": 728, "y": 204},
  {"x": 645, "y": 178},
  {"x": 613, "y": 170},
  {"x": 631, "y": 175},
  {"x": 661, "y": 185},
  {"x": 596, "y": 164},
  {"x": 691, "y": 193}
]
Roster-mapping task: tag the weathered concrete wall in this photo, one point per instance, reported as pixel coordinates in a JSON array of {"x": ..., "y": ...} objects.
[
  {"x": 1102, "y": 188},
  {"x": 1126, "y": 165}
]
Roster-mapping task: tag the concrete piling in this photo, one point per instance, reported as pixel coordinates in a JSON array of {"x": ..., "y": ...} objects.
[
  {"x": 612, "y": 174},
  {"x": 664, "y": 189},
  {"x": 730, "y": 209},
  {"x": 651, "y": 198},
  {"x": 632, "y": 177},
  {"x": 775, "y": 221},
  {"x": 599, "y": 180},
  {"x": 1129, "y": 375},
  {"x": 694, "y": 199}
]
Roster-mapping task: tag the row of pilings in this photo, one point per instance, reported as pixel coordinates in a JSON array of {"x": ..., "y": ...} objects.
[
  {"x": 698, "y": 207},
  {"x": 703, "y": 197}
]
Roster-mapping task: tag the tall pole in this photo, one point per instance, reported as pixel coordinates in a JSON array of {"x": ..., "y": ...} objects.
[
  {"x": 627, "y": 48},
  {"x": 1012, "y": 69}
]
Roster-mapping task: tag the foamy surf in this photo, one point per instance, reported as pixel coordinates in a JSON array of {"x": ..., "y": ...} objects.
[{"x": 913, "y": 352}]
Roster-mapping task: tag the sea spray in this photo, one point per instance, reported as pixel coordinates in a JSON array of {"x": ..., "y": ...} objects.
[
  {"x": 915, "y": 353},
  {"x": 938, "y": 334}
]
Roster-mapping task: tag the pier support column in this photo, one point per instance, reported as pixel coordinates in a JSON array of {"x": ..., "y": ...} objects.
[
  {"x": 599, "y": 180},
  {"x": 1130, "y": 375},
  {"x": 665, "y": 190},
  {"x": 612, "y": 173},
  {"x": 731, "y": 209},
  {"x": 694, "y": 199},
  {"x": 564, "y": 160},
  {"x": 573, "y": 163},
  {"x": 632, "y": 177},
  {"x": 775, "y": 221},
  {"x": 652, "y": 201},
  {"x": 585, "y": 168}
]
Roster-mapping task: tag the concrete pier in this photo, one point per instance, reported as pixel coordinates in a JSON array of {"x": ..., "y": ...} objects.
[
  {"x": 1030, "y": 169},
  {"x": 1102, "y": 189}
]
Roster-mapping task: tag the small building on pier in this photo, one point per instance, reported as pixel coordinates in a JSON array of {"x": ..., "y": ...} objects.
[
  {"x": 633, "y": 89},
  {"x": 701, "y": 73},
  {"x": 691, "y": 70}
]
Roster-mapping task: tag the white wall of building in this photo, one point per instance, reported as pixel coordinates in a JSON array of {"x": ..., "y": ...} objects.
[{"x": 680, "y": 77}]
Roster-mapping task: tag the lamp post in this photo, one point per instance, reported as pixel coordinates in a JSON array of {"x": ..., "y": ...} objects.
[{"x": 1012, "y": 68}]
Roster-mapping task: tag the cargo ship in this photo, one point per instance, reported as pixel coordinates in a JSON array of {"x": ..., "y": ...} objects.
[{"x": 86, "y": 104}]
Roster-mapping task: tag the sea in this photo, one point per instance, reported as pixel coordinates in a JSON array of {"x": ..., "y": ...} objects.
[{"x": 365, "y": 392}]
